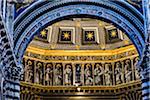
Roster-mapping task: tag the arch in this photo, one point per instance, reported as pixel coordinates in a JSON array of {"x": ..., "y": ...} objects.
[{"x": 121, "y": 14}]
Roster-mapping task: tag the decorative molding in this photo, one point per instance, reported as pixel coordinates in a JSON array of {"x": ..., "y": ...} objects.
[
  {"x": 132, "y": 86},
  {"x": 113, "y": 34},
  {"x": 49, "y": 33},
  {"x": 95, "y": 35},
  {"x": 82, "y": 52},
  {"x": 72, "y": 35},
  {"x": 80, "y": 55}
]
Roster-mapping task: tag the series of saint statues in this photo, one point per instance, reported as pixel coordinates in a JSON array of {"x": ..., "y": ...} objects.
[{"x": 98, "y": 74}]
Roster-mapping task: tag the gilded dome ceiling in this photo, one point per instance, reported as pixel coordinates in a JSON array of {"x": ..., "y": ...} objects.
[{"x": 80, "y": 34}]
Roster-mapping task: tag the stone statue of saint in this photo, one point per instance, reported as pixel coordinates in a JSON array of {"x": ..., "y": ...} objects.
[
  {"x": 78, "y": 74},
  {"x": 49, "y": 75},
  {"x": 38, "y": 74},
  {"x": 137, "y": 74},
  {"x": 28, "y": 72},
  {"x": 108, "y": 73},
  {"x": 118, "y": 73},
  {"x": 128, "y": 71},
  {"x": 98, "y": 72},
  {"x": 68, "y": 75},
  {"x": 58, "y": 75},
  {"x": 88, "y": 75}
]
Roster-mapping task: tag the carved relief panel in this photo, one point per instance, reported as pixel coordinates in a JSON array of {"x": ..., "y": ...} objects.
[{"x": 81, "y": 74}]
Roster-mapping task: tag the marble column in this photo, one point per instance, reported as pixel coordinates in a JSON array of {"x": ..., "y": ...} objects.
[
  {"x": 145, "y": 61},
  {"x": 11, "y": 81},
  {"x": 11, "y": 89},
  {"x": 145, "y": 72},
  {"x": 11, "y": 70}
]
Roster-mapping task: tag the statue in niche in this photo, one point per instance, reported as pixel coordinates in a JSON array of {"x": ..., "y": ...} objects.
[
  {"x": 137, "y": 74},
  {"x": 118, "y": 73},
  {"x": 49, "y": 74},
  {"x": 98, "y": 73},
  {"x": 58, "y": 75},
  {"x": 38, "y": 74},
  {"x": 108, "y": 73},
  {"x": 68, "y": 75},
  {"x": 128, "y": 71},
  {"x": 88, "y": 75},
  {"x": 28, "y": 72},
  {"x": 78, "y": 76}
]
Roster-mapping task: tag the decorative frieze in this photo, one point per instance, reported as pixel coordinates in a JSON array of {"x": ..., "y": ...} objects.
[
  {"x": 80, "y": 73},
  {"x": 92, "y": 55}
]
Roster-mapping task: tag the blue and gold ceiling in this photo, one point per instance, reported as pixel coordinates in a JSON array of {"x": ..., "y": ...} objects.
[{"x": 81, "y": 33}]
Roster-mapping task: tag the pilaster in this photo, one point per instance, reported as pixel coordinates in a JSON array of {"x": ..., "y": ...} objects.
[
  {"x": 145, "y": 61},
  {"x": 145, "y": 66},
  {"x": 11, "y": 89}
]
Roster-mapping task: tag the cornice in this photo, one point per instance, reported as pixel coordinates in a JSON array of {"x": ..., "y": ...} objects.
[
  {"x": 113, "y": 87},
  {"x": 92, "y": 56},
  {"x": 45, "y": 52}
]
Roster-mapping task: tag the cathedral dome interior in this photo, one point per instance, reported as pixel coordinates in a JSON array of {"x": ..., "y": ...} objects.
[{"x": 81, "y": 58}]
